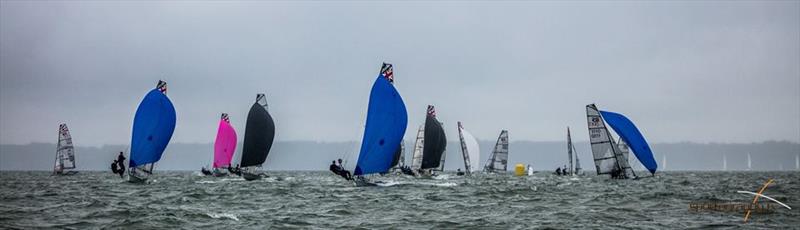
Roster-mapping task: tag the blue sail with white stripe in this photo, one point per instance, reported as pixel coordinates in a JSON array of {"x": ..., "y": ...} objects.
[
  {"x": 153, "y": 125},
  {"x": 631, "y": 135},
  {"x": 387, "y": 119}
]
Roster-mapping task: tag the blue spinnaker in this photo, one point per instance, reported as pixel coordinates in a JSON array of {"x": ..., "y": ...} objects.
[
  {"x": 152, "y": 128},
  {"x": 387, "y": 119},
  {"x": 631, "y": 135}
]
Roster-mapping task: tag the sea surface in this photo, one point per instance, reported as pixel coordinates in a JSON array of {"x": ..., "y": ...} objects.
[{"x": 320, "y": 200}]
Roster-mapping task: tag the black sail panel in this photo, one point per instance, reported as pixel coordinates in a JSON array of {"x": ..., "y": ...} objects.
[
  {"x": 258, "y": 136},
  {"x": 397, "y": 154},
  {"x": 435, "y": 143}
]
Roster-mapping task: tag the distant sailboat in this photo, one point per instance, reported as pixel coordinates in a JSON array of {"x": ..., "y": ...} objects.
[
  {"x": 224, "y": 146},
  {"x": 498, "y": 161},
  {"x": 572, "y": 152},
  {"x": 608, "y": 157},
  {"x": 797, "y": 161},
  {"x": 386, "y": 123},
  {"x": 434, "y": 144},
  {"x": 153, "y": 126},
  {"x": 724, "y": 162},
  {"x": 749, "y": 163},
  {"x": 65, "y": 153},
  {"x": 664, "y": 162},
  {"x": 259, "y": 134},
  {"x": 470, "y": 150}
]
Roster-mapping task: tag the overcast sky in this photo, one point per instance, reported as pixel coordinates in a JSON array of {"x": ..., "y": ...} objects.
[{"x": 682, "y": 71}]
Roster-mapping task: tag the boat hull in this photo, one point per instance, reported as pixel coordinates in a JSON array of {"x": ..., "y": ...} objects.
[
  {"x": 67, "y": 173},
  {"x": 136, "y": 179},
  {"x": 251, "y": 176}
]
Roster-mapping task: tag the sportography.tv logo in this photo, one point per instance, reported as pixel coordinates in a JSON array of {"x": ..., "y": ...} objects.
[{"x": 748, "y": 208}]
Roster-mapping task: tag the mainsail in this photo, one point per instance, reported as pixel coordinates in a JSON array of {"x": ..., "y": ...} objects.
[
  {"x": 628, "y": 132},
  {"x": 469, "y": 149},
  {"x": 569, "y": 153},
  {"x": 65, "y": 152},
  {"x": 606, "y": 153},
  {"x": 153, "y": 126},
  {"x": 386, "y": 124},
  {"x": 435, "y": 142},
  {"x": 419, "y": 145},
  {"x": 225, "y": 144},
  {"x": 625, "y": 151},
  {"x": 259, "y": 133},
  {"x": 498, "y": 161}
]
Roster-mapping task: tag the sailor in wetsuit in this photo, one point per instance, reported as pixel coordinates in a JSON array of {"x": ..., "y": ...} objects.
[
  {"x": 558, "y": 171},
  {"x": 121, "y": 164}
]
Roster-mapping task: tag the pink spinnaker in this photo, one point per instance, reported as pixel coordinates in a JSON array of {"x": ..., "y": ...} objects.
[{"x": 225, "y": 145}]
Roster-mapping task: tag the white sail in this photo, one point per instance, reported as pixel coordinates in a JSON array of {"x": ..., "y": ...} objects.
[
  {"x": 65, "y": 152},
  {"x": 498, "y": 161},
  {"x": 664, "y": 162},
  {"x": 469, "y": 149},
  {"x": 444, "y": 154},
  {"x": 570, "y": 168},
  {"x": 797, "y": 161},
  {"x": 606, "y": 153},
  {"x": 749, "y": 162},
  {"x": 724, "y": 162},
  {"x": 419, "y": 144},
  {"x": 625, "y": 152}
]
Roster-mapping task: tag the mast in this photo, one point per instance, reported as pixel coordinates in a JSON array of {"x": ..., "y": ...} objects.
[
  {"x": 464, "y": 150},
  {"x": 569, "y": 152}
]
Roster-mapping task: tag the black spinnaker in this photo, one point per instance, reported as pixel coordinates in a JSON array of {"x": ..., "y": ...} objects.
[
  {"x": 435, "y": 141},
  {"x": 258, "y": 136}
]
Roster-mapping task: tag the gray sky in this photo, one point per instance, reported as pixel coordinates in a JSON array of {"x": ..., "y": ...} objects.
[{"x": 682, "y": 71}]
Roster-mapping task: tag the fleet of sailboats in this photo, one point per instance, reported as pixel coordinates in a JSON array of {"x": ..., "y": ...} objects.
[
  {"x": 153, "y": 126},
  {"x": 65, "y": 153},
  {"x": 382, "y": 147}
]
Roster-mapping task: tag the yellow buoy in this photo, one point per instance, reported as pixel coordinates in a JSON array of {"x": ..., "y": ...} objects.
[{"x": 519, "y": 170}]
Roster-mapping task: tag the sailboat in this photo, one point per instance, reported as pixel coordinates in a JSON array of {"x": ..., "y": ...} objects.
[
  {"x": 749, "y": 162},
  {"x": 259, "y": 133},
  {"x": 386, "y": 123},
  {"x": 65, "y": 153},
  {"x": 498, "y": 161},
  {"x": 571, "y": 152},
  {"x": 153, "y": 126},
  {"x": 797, "y": 162},
  {"x": 724, "y": 162},
  {"x": 608, "y": 157},
  {"x": 224, "y": 147},
  {"x": 470, "y": 150},
  {"x": 432, "y": 146}
]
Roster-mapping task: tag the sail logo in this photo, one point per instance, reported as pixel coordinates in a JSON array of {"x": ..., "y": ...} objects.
[{"x": 748, "y": 208}]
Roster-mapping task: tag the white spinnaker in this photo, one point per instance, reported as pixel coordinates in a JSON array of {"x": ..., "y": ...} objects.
[
  {"x": 473, "y": 150},
  {"x": 603, "y": 147},
  {"x": 65, "y": 152},
  {"x": 419, "y": 144}
]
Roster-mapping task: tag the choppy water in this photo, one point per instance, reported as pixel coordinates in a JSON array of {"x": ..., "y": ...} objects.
[{"x": 322, "y": 200}]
